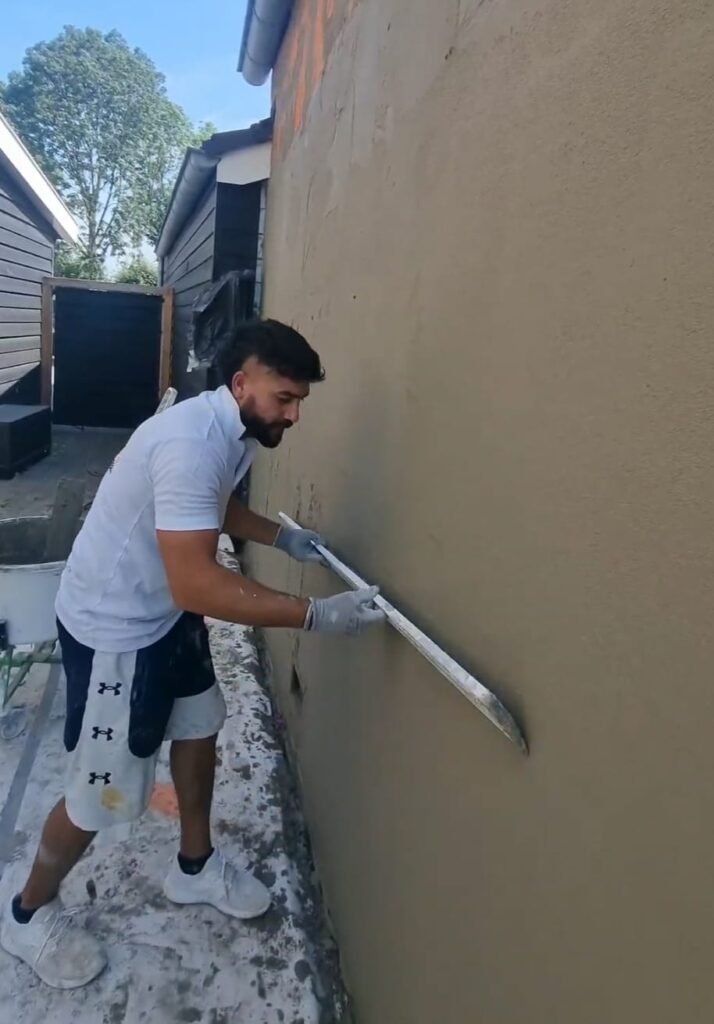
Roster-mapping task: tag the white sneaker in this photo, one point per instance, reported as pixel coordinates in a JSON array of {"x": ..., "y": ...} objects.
[
  {"x": 220, "y": 884},
  {"x": 58, "y": 949}
]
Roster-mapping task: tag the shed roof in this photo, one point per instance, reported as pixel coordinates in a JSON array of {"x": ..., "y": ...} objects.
[
  {"x": 197, "y": 170},
  {"x": 35, "y": 185},
  {"x": 225, "y": 142}
]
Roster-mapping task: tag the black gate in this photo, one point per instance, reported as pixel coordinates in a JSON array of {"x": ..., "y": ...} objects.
[{"x": 107, "y": 349}]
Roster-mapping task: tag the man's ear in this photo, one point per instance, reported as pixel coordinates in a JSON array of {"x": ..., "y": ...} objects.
[{"x": 238, "y": 385}]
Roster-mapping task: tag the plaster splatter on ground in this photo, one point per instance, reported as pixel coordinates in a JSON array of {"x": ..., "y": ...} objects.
[{"x": 192, "y": 964}]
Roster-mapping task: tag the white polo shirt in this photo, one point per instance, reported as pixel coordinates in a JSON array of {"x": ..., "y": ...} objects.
[{"x": 176, "y": 472}]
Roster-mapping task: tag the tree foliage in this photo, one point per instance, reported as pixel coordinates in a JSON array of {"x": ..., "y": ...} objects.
[
  {"x": 95, "y": 114},
  {"x": 161, "y": 176},
  {"x": 72, "y": 261},
  {"x": 138, "y": 270}
]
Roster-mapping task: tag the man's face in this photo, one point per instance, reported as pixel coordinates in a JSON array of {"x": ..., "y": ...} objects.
[{"x": 269, "y": 404}]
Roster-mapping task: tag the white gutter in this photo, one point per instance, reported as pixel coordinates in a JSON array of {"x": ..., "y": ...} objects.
[
  {"x": 20, "y": 165},
  {"x": 263, "y": 31}
]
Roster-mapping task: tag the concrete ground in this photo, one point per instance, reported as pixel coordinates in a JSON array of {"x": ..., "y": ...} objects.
[
  {"x": 75, "y": 451},
  {"x": 170, "y": 964}
]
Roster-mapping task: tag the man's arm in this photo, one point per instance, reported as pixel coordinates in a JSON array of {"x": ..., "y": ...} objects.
[
  {"x": 245, "y": 524},
  {"x": 241, "y": 522},
  {"x": 186, "y": 481},
  {"x": 199, "y": 584}
]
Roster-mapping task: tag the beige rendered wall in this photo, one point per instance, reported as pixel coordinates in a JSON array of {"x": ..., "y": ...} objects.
[{"x": 495, "y": 220}]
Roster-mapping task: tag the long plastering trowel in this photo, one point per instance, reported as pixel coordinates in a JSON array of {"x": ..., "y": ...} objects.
[{"x": 480, "y": 696}]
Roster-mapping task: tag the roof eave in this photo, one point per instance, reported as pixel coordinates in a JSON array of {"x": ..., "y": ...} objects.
[
  {"x": 196, "y": 171},
  {"x": 35, "y": 185},
  {"x": 193, "y": 178}
]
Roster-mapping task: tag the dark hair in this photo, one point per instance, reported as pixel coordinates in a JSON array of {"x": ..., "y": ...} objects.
[{"x": 275, "y": 345}]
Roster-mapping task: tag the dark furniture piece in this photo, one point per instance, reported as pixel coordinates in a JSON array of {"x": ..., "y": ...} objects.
[{"x": 25, "y": 437}]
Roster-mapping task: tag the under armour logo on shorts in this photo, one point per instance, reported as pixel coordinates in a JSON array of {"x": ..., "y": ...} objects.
[
  {"x": 105, "y": 777},
  {"x": 109, "y": 688},
  {"x": 97, "y": 732}
]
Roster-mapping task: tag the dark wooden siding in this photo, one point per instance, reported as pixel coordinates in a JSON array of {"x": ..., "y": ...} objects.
[
  {"x": 221, "y": 235},
  {"x": 26, "y": 256},
  {"x": 237, "y": 218},
  {"x": 188, "y": 269}
]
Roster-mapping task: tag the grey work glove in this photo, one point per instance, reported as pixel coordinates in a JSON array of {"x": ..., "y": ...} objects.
[
  {"x": 349, "y": 613},
  {"x": 299, "y": 544}
]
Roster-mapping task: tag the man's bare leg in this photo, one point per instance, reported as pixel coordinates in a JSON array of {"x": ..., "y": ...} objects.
[
  {"x": 35, "y": 927},
  {"x": 193, "y": 767},
  {"x": 201, "y": 874},
  {"x": 61, "y": 846}
]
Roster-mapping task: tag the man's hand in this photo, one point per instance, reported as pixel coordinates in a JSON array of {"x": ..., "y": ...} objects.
[
  {"x": 350, "y": 613},
  {"x": 299, "y": 544}
]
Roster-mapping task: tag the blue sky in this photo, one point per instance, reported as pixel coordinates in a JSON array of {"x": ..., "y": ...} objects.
[{"x": 195, "y": 44}]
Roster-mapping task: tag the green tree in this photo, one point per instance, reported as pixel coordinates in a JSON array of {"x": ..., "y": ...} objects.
[
  {"x": 96, "y": 115},
  {"x": 71, "y": 261},
  {"x": 162, "y": 169},
  {"x": 138, "y": 270}
]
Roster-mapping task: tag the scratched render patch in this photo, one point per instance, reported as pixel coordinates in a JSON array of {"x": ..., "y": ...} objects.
[{"x": 171, "y": 965}]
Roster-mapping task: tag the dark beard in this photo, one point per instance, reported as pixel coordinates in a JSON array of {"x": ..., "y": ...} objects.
[{"x": 268, "y": 434}]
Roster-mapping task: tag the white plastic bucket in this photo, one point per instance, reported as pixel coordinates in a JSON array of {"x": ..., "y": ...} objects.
[{"x": 28, "y": 586}]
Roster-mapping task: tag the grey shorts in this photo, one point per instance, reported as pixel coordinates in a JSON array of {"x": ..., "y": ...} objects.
[{"x": 121, "y": 707}]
